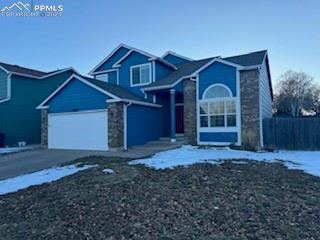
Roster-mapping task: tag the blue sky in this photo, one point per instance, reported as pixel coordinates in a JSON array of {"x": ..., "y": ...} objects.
[{"x": 89, "y": 30}]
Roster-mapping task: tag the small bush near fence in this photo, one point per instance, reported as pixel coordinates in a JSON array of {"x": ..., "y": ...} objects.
[{"x": 292, "y": 133}]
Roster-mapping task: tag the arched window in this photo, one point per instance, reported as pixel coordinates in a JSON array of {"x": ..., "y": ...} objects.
[
  {"x": 217, "y": 91},
  {"x": 217, "y": 107}
]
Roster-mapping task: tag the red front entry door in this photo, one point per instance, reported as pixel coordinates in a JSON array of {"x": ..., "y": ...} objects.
[{"x": 179, "y": 119}]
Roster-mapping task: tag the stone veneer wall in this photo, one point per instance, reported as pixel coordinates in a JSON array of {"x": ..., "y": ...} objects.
[
  {"x": 44, "y": 127},
  {"x": 115, "y": 126},
  {"x": 250, "y": 108},
  {"x": 190, "y": 111}
]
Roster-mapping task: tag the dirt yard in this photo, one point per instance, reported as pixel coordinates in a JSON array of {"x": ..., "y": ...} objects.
[{"x": 228, "y": 201}]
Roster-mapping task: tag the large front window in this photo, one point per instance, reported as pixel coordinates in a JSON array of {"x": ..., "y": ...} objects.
[
  {"x": 217, "y": 108},
  {"x": 140, "y": 75}
]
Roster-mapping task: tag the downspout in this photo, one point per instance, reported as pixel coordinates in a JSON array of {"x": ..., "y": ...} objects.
[{"x": 125, "y": 119}]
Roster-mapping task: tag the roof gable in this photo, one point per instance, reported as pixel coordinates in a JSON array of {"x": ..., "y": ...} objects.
[
  {"x": 111, "y": 59},
  {"x": 175, "y": 58},
  {"x": 115, "y": 92}
]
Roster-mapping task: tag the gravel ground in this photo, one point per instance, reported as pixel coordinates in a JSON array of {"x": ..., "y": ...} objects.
[{"x": 228, "y": 201}]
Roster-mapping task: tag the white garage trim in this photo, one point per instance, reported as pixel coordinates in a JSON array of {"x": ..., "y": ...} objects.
[{"x": 83, "y": 130}]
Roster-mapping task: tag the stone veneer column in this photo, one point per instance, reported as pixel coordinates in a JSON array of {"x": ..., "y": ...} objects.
[
  {"x": 44, "y": 127},
  {"x": 250, "y": 109},
  {"x": 115, "y": 126},
  {"x": 190, "y": 111}
]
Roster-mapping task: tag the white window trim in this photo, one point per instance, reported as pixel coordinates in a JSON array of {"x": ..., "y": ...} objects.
[
  {"x": 107, "y": 78},
  {"x": 216, "y": 85},
  {"x": 218, "y": 129},
  {"x": 140, "y": 84},
  {"x": 236, "y": 129}
]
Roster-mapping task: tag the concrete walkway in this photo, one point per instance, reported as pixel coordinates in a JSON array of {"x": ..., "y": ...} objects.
[{"x": 15, "y": 164}]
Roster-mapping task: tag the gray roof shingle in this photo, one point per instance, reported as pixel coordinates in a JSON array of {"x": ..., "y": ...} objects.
[
  {"x": 116, "y": 90},
  {"x": 250, "y": 59},
  {"x": 186, "y": 69},
  {"x": 183, "y": 70},
  {"x": 22, "y": 70}
]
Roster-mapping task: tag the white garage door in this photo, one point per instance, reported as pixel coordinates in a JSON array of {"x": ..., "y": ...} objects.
[{"x": 79, "y": 130}]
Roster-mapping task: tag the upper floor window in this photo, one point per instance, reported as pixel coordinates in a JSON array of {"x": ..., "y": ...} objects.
[
  {"x": 140, "y": 75},
  {"x": 217, "y": 107},
  {"x": 102, "y": 77}
]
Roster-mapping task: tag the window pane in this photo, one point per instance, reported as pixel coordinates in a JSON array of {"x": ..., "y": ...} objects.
[
  {"x": 217, "y": 121},
  {"x": 102, "y": 77},
  {"x": 204, "y": 108},
  {"x": 204, "y": 121},
  {"x": 217, "y": 92},
  {"x": 217, "y": 107},
  {"x": 231, "y": 106},
  {"x": 136, "y": 75},
  {"x": 145, "y": 74},
  {"x": 231, "y": 120}
]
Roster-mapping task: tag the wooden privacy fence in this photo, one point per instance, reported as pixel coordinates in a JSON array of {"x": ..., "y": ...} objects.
[{"x": 292, "y": 133}]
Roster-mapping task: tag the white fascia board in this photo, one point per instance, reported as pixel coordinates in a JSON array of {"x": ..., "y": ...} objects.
[
  {"x": 175, "y": 54},
  {"x": 108, "y": 57},
  {"x": 104, "y": 71},
  {"x": 5, "y": 70},
  {"x": 80, "y": 79},
  {"x": 134, "y": 102},
  {"x": 239, "y": 67},
  {"x": 45, "y": 76},
  {"x": 164, "y": 62},
  {"x": 117, "y": 63}
]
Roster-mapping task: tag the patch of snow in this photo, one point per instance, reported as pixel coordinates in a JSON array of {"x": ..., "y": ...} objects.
[
  {"x": 108, "y": 171},
  {"x": 13, "y": 149},
  {"x": 307, "y": 161},
  {"x": 37, "y": 178}
]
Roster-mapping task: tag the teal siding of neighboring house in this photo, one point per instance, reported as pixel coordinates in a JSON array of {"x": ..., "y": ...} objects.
[
  {"x": 3, "y": 84},
  {"x": 77, "y": 96},
  {"x": 175, "y": 60},
  {"x": 19, "y": 118},
  {"x": 117, "y": 56}
]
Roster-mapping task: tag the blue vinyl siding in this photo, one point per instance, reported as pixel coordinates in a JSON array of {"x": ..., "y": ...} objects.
[
  {"x": 162, "y": 70},
  {"x": 175, "y": 60},
  {"x": 115, "y": 57},
  {"x": 231, "y": 137},
  {"x": 124, "y": 71},
  {"x": 218, "y": 73},
  {"x": 112, "y": 77},
  {"x": 77, "y": 96},
  {"x": 143, "y": 124}
]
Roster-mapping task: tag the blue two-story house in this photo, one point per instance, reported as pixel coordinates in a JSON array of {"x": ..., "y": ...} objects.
[{"x": 134, "y": 97}]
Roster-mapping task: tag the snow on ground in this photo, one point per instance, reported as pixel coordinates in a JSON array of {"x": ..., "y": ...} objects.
[
  {"x": 44, "y": 176},
  {"x": 187, "y": 155},
  {"x": 13, "y": 149},
  {"x": 108, "y": 171}
]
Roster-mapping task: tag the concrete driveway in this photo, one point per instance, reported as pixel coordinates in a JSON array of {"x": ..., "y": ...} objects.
[{"x": 15, "y": 164}]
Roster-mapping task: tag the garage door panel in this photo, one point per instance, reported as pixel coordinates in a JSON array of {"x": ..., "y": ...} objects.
[{"x": 81, "y": 130}]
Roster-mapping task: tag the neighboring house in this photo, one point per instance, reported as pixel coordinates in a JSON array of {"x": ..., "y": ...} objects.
[
  {"x": 135, "y": 97},
  {"x": 21, "y": 91}
]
